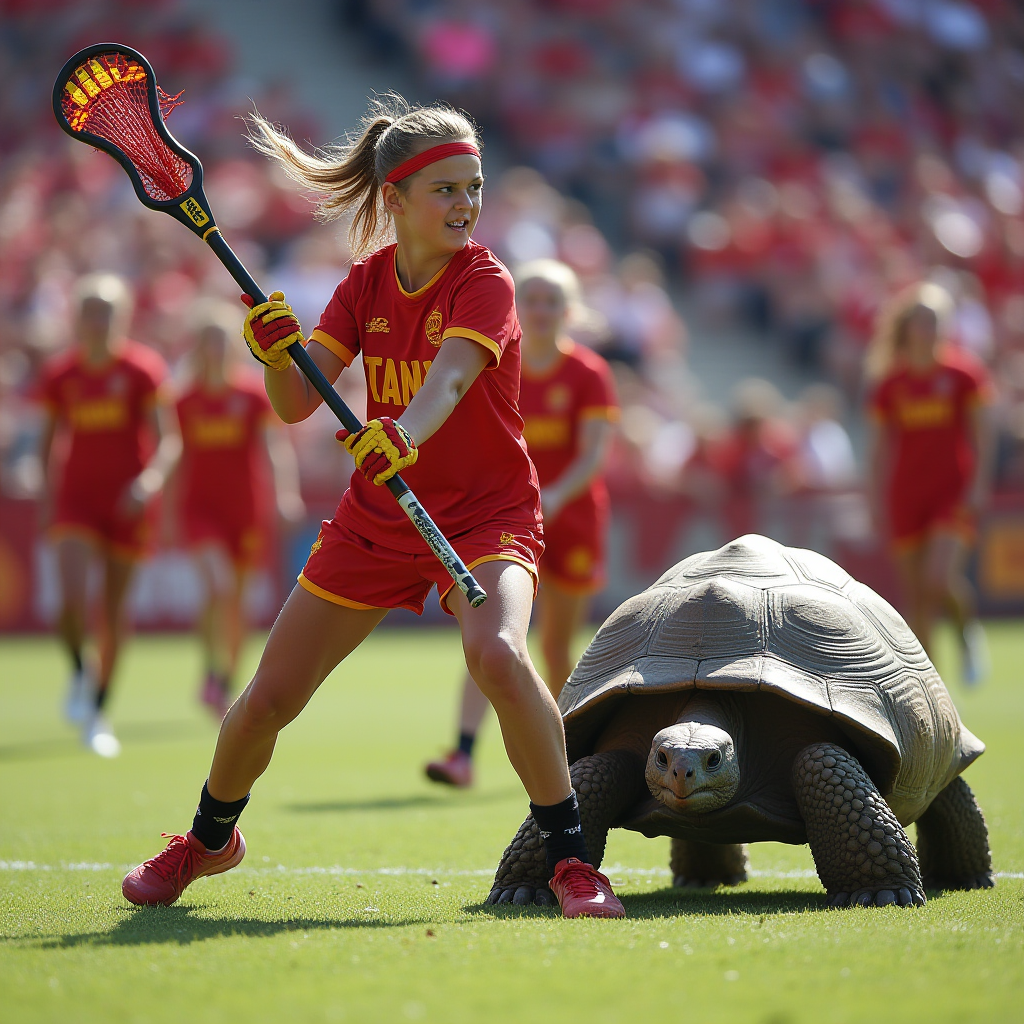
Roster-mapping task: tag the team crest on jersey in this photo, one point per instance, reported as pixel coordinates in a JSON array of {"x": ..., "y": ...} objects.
[
  {"x": 317, "y": 544},
  {"x": 557, "y": 398},
  {"x": 507, "y": 538},
  {"x": 433, "y": 328},
  {"x": 378, "y": 325}
]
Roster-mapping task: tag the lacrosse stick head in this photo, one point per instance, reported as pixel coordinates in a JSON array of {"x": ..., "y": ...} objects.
[{"x": 107, "y": 96}]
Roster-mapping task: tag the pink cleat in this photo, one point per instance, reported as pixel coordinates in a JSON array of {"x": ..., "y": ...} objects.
[
  {"x": 455, "y": 770},
  {"x": 582, "y": 891},
  {"x": 160, "y": 881}
]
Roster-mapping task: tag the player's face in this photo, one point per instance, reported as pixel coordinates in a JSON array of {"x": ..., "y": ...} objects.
[
  {"x": 541, "y": 308},
  {"x": 920, "y": 336},
  {"x": 441, "y": 203},
  {"x": 212, "y": 351},
  {"x": 95, "y": 322}
]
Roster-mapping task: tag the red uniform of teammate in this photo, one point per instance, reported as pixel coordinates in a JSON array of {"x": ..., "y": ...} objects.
[
  {"x": 113, "y": 452},
  {"x": 930, "y": 462},
  {"x": 555, "y": 405},
  {"x": 567, "y": 396},
  {"x": 434, "y": 320}
]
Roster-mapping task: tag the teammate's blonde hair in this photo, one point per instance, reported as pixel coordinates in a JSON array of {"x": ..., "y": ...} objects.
[
  {"x": 554, "y": 272},
  {"x": 209, "y": 311},
  {"x": 104, "y": 287},
  {"x": 349, "y": 176},
  {"x": 890, "y": 335}
]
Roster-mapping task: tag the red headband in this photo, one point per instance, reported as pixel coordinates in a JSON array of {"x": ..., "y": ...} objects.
[{"x": 430, "y": 156}]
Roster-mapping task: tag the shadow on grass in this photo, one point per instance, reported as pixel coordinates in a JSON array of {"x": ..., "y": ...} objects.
[
  {"x": 445, "y": 798},
  {"x": 130, "y": 732},
  {"x": 150, "y": 925},
  {"x": 671, "y": 902}
]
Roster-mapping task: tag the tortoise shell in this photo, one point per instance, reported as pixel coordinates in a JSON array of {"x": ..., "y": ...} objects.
[{"x": 757, "y": 616}]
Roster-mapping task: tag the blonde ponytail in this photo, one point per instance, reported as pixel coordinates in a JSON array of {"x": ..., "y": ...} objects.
[{"x": 348, "y": 177}]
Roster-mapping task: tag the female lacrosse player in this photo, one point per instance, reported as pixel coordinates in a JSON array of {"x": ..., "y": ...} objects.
[
  {"x": 227, "y": 436},
  {"x": 434, "y": 319},
  {"x": 115, "y": 446},
  {"x": 930, "y": 461},
  {"x": 567, "y": 398}
]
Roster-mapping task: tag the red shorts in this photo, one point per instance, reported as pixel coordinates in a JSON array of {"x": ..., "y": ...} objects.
[
  {"x": 347, "y": 569},
  {"x": 913, "y": 517},
  {"x": 574, "y": 550},
  {"x": 96, "y": 518},
  {"x": 243, "y": 540}
]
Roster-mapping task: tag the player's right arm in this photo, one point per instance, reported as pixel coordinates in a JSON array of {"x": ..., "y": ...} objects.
[{"x": 269, "y": 330}]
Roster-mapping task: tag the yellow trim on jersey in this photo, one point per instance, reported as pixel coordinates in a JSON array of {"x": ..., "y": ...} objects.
[
  {"x": 419, "y": 291},
  {"x": 611, "y": 413},
  {"x": 481, "y": 339},
  {"x": 530, "y": 567},
  {"x": 333, "y": 346},
  {"x": 334, "y": 598}
]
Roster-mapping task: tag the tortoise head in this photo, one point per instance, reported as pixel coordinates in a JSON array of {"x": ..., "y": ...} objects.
[{"x": 693, "y": 766}]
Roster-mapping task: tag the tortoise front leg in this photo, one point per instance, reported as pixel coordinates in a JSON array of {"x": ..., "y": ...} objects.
[
  {"x": 862, "y": 854},
  {"x": 706, "y": 865},
  {"x": 606, "y": 784},
  {"x": 952, "y": 841}
]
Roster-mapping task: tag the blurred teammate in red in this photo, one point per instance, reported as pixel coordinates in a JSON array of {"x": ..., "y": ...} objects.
[
  {"x": 930, "y": 462},
  {"x": 434, "y": 320},
  {"x": 567, "y": 398},
  {"x": 228, "y": 437},
  {"x": 115, "y": 444}
]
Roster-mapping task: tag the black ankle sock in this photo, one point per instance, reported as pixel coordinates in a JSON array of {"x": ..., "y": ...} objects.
[
  {"x": 76, "y": 660},
  {"x": 561, "y": 831},
  {"x": 101, "y": 697},
  {"x": 466, "y": 741},
  {"x": 215, "y": 820}
]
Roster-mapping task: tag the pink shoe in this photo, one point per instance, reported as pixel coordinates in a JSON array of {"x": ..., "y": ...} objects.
[
  {"x": 582, "y": 891},
  {"x": 455, "y": 770},
  {"x": 214, "y": 695},
  {"x": 161, "y": 880}
]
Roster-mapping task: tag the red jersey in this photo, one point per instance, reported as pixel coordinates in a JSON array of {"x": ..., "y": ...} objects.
[
  {"x": 475, "y": 469},
  {"x": 927, "y": 420},
  {"x": 103, "y": 414},
  {"x": 221, "y": 433},
  {"x": 554, "y": 404}
]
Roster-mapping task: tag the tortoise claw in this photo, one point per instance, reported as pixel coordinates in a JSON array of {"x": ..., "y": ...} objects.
[
  {"x": 520, "y": 896},
  {"x": 904, "y": 896}
]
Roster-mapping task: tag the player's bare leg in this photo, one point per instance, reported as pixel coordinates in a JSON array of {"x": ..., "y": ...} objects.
[
  {"x": 222, "y": 624},
  {"x": 920, "y": 612},
  {"x": 561, "y": 615},
  {"x": 494, "y": 641},
  {"x": 310, "y": 637},
  {"x": 456, "y": 767},
  {"x": 74, "y": 556},
  {"x": 946, "y": 579}
]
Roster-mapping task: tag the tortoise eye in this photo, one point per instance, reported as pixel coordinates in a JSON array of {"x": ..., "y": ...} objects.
[
  {"x": 660, "y": 759},
  {"x": 714, "y": 760}
]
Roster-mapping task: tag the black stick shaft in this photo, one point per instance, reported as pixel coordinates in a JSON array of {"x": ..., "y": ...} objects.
[{"x": 418, "y": 516}]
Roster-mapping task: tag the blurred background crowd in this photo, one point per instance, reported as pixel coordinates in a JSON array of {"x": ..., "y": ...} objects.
[{"x": 768, "y": 169}]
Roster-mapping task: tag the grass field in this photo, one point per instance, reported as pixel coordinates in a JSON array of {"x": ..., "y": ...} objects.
[{"x": 361, "y": 895}]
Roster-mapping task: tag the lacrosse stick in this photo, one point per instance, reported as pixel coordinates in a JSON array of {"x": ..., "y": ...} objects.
[{"x": 106, "y": 95}]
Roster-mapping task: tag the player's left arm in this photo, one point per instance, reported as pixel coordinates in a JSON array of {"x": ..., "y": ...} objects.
[
  {"x": 285, "y": 468},
  {"x": 595, "y": 433},
  {"x": 163, "y": 422},
  {"x": 982, "y": 434}
]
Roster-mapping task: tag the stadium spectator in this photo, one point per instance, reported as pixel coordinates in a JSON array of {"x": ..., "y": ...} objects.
[
  {"x": 229, "y": 440},
  {"x": 108, "y": 443},
  {"x": 568, "y": 402},
  {"x": 930, "y": 461}
]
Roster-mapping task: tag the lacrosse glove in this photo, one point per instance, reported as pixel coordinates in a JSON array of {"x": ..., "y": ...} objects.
[
  {"x": 381, "y": 449},
  {"x": 269, "y": 329}
]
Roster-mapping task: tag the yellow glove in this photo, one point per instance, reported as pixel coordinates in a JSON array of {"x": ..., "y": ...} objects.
[
  {"x": 269, "y": 329},
  {"x": 381, "y": 449}
]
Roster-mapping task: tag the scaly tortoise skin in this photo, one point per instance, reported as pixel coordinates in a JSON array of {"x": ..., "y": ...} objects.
[{"x": 756, "y": 693}]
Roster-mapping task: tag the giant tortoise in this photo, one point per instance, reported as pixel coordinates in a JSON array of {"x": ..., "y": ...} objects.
[{"x": 758, "y": 692}]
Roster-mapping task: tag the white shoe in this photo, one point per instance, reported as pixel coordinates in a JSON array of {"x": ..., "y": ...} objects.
[
  {"x": 81, "y": 690},
  {"x": 100, "y": 737},
  {"x": 977, "y": 663}
]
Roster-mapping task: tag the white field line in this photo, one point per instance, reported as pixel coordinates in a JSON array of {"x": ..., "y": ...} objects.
[{"x": 280, "y": 869}]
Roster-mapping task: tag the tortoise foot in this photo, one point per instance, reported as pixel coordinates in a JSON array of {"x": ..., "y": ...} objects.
[
  {"x": 521, "y": 896},
  {"x": 688, "y": 882},
  {"x": 902, "y": 896}
]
